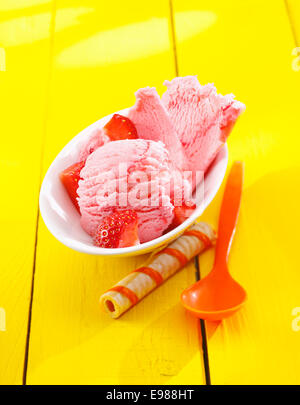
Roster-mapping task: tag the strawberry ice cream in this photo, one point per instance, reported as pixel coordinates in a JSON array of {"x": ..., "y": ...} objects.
[
  {"x": 202, "y": 118},
  {"x": 125, "y": 174},
  {"x": 152, "y": 121},
  {"x": 96, "y": 139},
  {"x": 136, "y": 162}
]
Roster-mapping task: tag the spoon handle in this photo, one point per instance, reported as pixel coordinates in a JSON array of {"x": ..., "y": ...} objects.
[{"x": 229, "y": 211}]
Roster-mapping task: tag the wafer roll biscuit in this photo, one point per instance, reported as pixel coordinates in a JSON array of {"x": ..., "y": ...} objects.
[{"x": 131, "y": 289}]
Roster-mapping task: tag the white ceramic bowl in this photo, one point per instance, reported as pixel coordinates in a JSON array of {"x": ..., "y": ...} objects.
[{"x": 62, "y": 219}]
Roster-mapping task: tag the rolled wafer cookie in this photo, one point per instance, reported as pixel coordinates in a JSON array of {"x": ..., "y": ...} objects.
[{"x": 131, "y": 289}]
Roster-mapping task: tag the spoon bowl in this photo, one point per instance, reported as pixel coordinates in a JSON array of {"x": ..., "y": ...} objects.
[{"x": 214, "y": 298}]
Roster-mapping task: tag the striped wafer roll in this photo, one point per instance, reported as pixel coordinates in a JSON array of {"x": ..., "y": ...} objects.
[{"x": 163, "y": 265}]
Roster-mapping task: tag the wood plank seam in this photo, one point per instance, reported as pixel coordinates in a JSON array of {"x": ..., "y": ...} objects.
[
  {"x": 202, "y": 329},
  {"x": 202, "y": 332},
  {"x": 173, "y": 36},
  {"x": 47, "y": 105},
  {"x": 293, "y": 29}
]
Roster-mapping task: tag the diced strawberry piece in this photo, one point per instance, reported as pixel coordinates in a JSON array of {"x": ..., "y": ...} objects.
[
  {"x": 118, "y": 230},
  {"x": 181, "y": 213},
  {"x": 120, "y": 127},
  {"x": 69, "y": 178}
]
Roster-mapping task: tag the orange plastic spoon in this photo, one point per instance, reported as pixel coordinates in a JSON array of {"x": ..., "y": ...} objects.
[{"x": 218, "y": 295}]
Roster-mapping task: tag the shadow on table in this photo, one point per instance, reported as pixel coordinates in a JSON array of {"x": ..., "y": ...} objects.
[
  {"x": 272, "y": 205},
  {"x": 163, "y": 349}
]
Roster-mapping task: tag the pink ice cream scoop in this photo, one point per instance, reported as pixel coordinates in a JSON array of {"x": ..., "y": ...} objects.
[
  {"x": 96, "y": 139},
  {"x": 134, "y": 174},
  {"x": 202, "y": 118},
  {"x": 153, "y": 122}
]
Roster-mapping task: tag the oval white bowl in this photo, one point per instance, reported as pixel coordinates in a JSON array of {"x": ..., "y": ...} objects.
[{"x": 63, "y": 220}]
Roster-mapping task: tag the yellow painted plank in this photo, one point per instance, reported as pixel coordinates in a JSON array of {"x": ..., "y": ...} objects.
[
  {"x": 293, "y": 9},
  {"x": 98, "y": 64},
  {"x": 245, "y": 48},
  {"x": 24, "y": 62}
]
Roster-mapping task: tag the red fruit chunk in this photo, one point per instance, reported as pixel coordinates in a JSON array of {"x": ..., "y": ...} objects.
[
  {"x": 118, "y": 230},
  {"x": 120, "y": 127},
  {"x": 69, "y": 178},
  {"x": 181, "y": 213}
]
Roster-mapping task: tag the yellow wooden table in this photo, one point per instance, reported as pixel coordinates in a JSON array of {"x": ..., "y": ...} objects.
[{"x": 63, "y": 65}]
